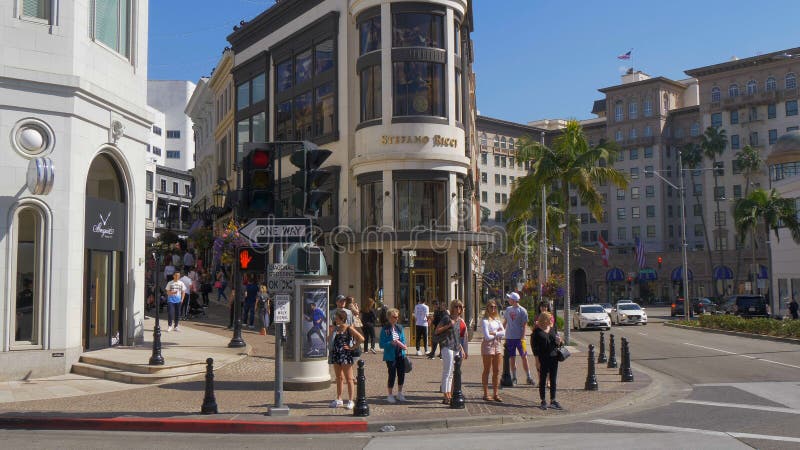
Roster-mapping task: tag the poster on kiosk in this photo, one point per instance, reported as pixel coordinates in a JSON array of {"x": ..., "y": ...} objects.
[{"x": 315, "y": 323}]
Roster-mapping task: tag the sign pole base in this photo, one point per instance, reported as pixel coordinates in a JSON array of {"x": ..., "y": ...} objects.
[{"x": 276, "y": 411}]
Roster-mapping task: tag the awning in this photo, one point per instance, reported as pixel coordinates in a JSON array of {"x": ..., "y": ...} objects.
[
  {"x": 722, "y": 273},
  {"x": 648, "y": 274},
  {"x": 762, "y": 272},
  {"x": 615, "y": 274},
  {"x": 677, "y": 274}
]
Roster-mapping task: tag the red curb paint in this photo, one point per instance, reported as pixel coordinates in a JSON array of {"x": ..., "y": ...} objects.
[{"x": 180, "y": 425}]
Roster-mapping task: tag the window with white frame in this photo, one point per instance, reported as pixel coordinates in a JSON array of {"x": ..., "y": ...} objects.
[
  {"x": 484, "y": 141},
  {"x": 770, "y": 85},
  {"x": 648, "y": 107},
  {"x": 635, "y": 193},
  {"x": 503, "y": 142},
  {"x": 28, "y": 253},
  {"x": 633, "y": 110},
  {"x": 618, "y": 136},
  {"x": 695, "y": 131},
  {"x": 112, "y": 24},
  {"x": 38, "y": 10},
  {"x": 790, "y": 81},
  {"x": 635, "y": 212},
  {"x": 733, "y": 90},
  {"x": 619, "y": 111},
  {"x": 511, "y": 143},
  {"x": 648, "y": 131},
  {"x": 632, "y": 133},
  {"x": 715, "y": 94},
  {"x": 496, "y": 142},
  {"x": 752, "y": 87}
]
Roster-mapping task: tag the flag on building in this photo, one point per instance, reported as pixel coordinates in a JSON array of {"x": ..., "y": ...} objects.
[
  {"x": 605, "y": 252},
  {"x": 639, "y": 252},
  {"x": 626, "y": 55}
]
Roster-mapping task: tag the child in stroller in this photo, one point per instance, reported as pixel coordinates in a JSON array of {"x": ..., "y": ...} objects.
[{"x": 196, "y": 309}]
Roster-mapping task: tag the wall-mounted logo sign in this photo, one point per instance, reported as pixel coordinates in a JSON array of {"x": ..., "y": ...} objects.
[
  {"x": 437, "y": 140},
  {"x": 40, "y": 176},
  {"x": 103, "y": 228},
  {"x": 105, "y": 224}
]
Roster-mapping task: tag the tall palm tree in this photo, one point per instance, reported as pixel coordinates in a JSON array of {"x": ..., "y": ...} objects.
[
  {"x": 748, "y": 162},
  {"x": 713, "y": 142},
  {"x": 692, "y": 156},
  {"x": 773, "y": 212},
  {"x": 570, "y": 162}
]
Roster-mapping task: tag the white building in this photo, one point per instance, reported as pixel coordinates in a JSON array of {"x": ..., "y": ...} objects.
[
  {"x": 72, "y": 89},
  {"x": 170, "y": 97}
]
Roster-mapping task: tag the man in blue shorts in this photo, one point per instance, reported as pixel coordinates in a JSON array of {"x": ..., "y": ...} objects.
[{"x": 516, "y": 321}]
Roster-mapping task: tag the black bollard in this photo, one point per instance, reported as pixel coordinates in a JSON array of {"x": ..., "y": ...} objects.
[
  {"x": 209, "y": 401},
  {"x": 601, "y": 358},
  {"x": 591, "y": 377},
  {"x": 612, "y": 357},
  {"x": 156, "y": 359},
  {"x": 505, "y": 380},
  {"x": 627, "y": 372},
  {"x": 362, "y": 408},
  {"x": 622, "y": 342},
  {"x": 457, "y": 399}
]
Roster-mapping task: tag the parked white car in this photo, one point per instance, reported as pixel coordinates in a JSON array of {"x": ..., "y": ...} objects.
[
  {"x": 628, "y": 313},
  {"x": 591, "y": 316}
]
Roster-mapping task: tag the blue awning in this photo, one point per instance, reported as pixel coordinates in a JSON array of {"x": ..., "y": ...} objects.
[
  {"x": 677, "y": 274},
  {"x": 615, "y": 274},
  {"x": 723, "y": 273},
  {"x": 762, "y": 272},
  {"x": 648, "y": 274}
]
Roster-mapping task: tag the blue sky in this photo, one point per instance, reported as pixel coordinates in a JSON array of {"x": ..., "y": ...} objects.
[{"x": 534, "y": 59}]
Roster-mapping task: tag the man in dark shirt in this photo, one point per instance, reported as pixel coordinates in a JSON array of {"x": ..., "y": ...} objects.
[
  {"x": 438, "y": 312},
  {"x": 250, "y": 297},
  {"x": 793, "y": 307}
]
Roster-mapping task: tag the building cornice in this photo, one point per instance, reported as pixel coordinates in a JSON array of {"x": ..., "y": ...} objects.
[
  {"x": 654, "y": 80},
  {"x": 274, "y": 18},
  {"x": 744, "y": 63},
  {"x": 482, "y": 122}
]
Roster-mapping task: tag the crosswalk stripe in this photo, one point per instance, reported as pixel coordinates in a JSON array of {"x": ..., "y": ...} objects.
[
  {"x": 650, "y": 426},
  {"x": 743, "y": 356},
  {"x": 743, "y": 406}
]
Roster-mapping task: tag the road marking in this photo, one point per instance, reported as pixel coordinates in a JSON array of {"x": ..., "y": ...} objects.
[
  {"x": 643, "y": 334},
  {"x": 743, "y": 406},
  {"x": 650, "y": 426},
  {"x": 744, "y": 356}
]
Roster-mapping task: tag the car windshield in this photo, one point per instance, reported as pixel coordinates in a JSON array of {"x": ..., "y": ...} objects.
[
  {"x": 629, "y": 306},
  {"x": 592, "y": 309}
]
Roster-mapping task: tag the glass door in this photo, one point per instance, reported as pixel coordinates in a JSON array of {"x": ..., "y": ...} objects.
[
  {"x": 423, "y": 285},
  {"x": 101, "y": 300}
]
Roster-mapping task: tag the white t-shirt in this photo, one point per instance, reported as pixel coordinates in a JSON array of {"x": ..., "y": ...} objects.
[
  {"x": 421, "y": 314},
  {"x": 176, "y": 289}
]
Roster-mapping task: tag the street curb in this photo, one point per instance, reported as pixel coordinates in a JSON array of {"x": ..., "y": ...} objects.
[
  {"x": 456, "y": 422},
  {"x": 180, "y": 425},
  {"x": 735, "y": 333}
]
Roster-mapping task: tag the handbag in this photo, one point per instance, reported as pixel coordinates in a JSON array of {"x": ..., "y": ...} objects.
[
  {"x": 407, "y": 364},
  {"x": 218, "y": 284},
  {"x": 562, "y": 353}
]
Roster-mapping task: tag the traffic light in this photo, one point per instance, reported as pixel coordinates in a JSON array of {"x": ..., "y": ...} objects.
[
  {"x": 258, "y": 181},
  {"x": 250, "y": 260},
  {"x": 660, "y": 260},
  {"x": 307, "y": 180}
]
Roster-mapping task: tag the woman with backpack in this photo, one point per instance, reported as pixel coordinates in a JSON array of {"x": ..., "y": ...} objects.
[{"x": 451, "y": 333}]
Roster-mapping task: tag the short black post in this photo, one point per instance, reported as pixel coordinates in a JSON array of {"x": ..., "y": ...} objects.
[
  {"x": 457, "y": 399},
  {"x": 362, "y": 408},
  {"x": 627, "y": 372},
  {"x": 506, "y": 380},
  {"x": 622, "y": 342},
  {"x": 209, "y": 401},
  {"x": 591, "y": 377},
  {"x": 601, "y": 358},
  {"x": 612, "y": 356}
]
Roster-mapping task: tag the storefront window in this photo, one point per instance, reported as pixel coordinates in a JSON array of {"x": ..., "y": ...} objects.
[
  {"x": 27, "y": 308},
  {"x": 420, "y": 274},
  {"x": 420, "y": 204},
  {"x": 302, "y": 116},
  {"x": 369, "y": 32},
  {"x": 411, "y": 29},
  {"x": 371, "y": 93},
  {"x": 371, "y": 276},
  {"x": 372, "y": 204},
  {"x": 419, "y": 89},
  {"x": 323, "y": 109}
]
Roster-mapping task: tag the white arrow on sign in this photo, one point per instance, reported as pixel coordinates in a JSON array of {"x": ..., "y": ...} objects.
[{"x": 267, "y": 231}]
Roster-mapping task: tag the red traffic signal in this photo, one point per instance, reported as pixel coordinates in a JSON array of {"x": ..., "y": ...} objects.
[
  {"x": 260, "y": 159},
  {"x": 245, "y": 257},
  {"x": 660, "y": 260},
  {"x": 258, "y": 181}
]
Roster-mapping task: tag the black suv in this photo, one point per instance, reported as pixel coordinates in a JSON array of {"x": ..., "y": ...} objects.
[
  {"x": 745, "y": 306},
  {"x": 676, "y": 309}
]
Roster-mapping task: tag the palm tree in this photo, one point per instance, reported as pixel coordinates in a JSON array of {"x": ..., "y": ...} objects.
[
  {"x": 692, "y": 156},
  {"x": 773, "y": 212},
  {"x": 713, "y": 142},
  {"x": 570, "y": 162},
  {"x": 748, "y": 162}
]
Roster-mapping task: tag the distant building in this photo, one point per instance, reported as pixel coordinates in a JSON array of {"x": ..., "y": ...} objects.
[{"x": 170, "y": 98}]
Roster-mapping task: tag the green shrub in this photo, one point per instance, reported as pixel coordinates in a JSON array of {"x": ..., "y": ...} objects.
[{"x": 770, "y": 327}]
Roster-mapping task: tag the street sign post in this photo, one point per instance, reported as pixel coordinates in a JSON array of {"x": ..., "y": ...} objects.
[
  {"x": 268, "y": 230},
  {"x": 280, "y": 286}
]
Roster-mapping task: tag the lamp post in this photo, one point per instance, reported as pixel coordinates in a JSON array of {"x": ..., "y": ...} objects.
[
  {"x": 156, "y": 359},
  {"x": 224, "y": 197}
]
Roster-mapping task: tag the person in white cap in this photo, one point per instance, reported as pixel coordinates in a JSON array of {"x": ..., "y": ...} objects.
[{"x": 516, "y": 322}]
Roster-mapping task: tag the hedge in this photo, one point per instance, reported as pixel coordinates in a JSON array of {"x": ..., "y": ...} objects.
[{"x": 770, "y": 327}]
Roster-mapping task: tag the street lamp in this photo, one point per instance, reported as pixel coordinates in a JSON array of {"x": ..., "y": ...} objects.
[
  {"x": 224, "y": 200},
  {"x": 156, "y": 359}
]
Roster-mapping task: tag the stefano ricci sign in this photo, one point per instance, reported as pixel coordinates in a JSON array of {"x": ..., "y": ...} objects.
[
  {"x": 105, "y": 224},
  {"x": 436, "y": 140}
]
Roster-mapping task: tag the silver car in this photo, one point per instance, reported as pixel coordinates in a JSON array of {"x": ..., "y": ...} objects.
[
  {"x": 590, "y": 316},
  {"x": 629, "y": 314}
]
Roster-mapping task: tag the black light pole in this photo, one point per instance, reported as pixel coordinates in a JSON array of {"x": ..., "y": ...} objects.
[
  {"x": 156, "y": 359},
  {"x": 236, "y": 340}
]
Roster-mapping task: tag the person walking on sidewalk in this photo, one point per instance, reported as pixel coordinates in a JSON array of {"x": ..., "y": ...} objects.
[
  {"x": 368, "y": 324},
  {"x": 187, "y": 281},
  {"x": 492, "y": 349},
  {"x": 516, "y": 318},
  {"x": 438, "y": 312},
  {"x": 262, "y": 308},
  {"x": 343, "y": 340},
  {"x": 421, "y": 320},
  {"x": 452, "y": 343},
  {"x": 393, "y": 343},
  {"x": 355, "y": 312},
  {"x": 175, "y": 293},
  {"x": 250, "y": 297},
  {"x": 545, "y": 342},
  {"x": 793, "y": 308},
  {"x": 220, "y": 285}
]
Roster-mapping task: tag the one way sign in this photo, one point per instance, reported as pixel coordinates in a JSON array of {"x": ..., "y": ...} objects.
[{"x": 269, "y": 230}]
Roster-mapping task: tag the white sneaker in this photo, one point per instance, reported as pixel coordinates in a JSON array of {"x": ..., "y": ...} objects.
[
  {"x": 176, "y": 328},
  {"x": 419, "y": 352},
  {"x": 169, "y": 329},
  {"x": 336, "y": 404},
  {"x": 391, "y": 399},
  {"x": 401, "y": 397},
  {"x": 349, "y": 404},
  {"x": 372, "y": 350}
]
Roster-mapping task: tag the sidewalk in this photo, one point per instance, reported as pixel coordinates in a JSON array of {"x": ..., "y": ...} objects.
[{"x": 244, "y": 392}]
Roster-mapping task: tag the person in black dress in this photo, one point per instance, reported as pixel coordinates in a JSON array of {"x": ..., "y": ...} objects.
[{"x": 545, "y": 343}]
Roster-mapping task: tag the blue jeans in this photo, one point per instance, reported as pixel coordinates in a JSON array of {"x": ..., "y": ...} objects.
[
  {"x": 249, "y": 315},
  {"x": 173, "y": 315}
]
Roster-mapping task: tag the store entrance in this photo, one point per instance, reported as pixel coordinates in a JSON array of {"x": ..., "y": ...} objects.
[
  {"x": 102, "y": 299},
  {"x": 423, "y": 286}
]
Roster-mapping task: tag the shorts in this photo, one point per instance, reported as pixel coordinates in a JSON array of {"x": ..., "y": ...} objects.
[
  {"x": 491, "y": 347},
  {"x": 515, "y": 346}
]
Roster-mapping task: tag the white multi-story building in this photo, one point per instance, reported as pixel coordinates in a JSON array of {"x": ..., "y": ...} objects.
[
  {"x": 73, "y": 89},
  {"x": 171, "y": 97}
]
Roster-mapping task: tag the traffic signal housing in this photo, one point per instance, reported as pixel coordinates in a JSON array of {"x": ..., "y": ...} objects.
[
  {"x": 258, "y": 181},
  {"x": 308, "y": 198}
]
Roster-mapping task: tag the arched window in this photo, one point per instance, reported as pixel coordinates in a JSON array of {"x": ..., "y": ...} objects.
[
  {"x": 752, "y": 87},
  {"x": 733, "y": 90},
  {"x": 715, "y": 94},
  {"x": 496, "y": 142},
  {"x": 26, "y": 290},
  {"x": 484, "y": 141},
  {"x": 633, "y": 110},
  {"x": 770, "y": 85},
  {"x": 619, "y": 111},
  {"x": 790, "y": 81},
  {"x": 511, "y": 143},
  {"x": 503, "y": 142},
  {"x": 648, "y": 107},
  {"x": 666, "y": 103}
]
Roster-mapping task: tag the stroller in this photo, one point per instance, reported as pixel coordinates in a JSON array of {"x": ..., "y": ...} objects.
[{"x": 196, "y": 309}]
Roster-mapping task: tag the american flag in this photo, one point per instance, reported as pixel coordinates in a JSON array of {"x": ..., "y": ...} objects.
[
  {"x": 626, "y": 55},
  {"x": 639, "y": 252}
]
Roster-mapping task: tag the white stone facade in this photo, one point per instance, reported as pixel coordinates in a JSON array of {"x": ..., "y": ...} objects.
[{"x": 170, "y": 97}]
